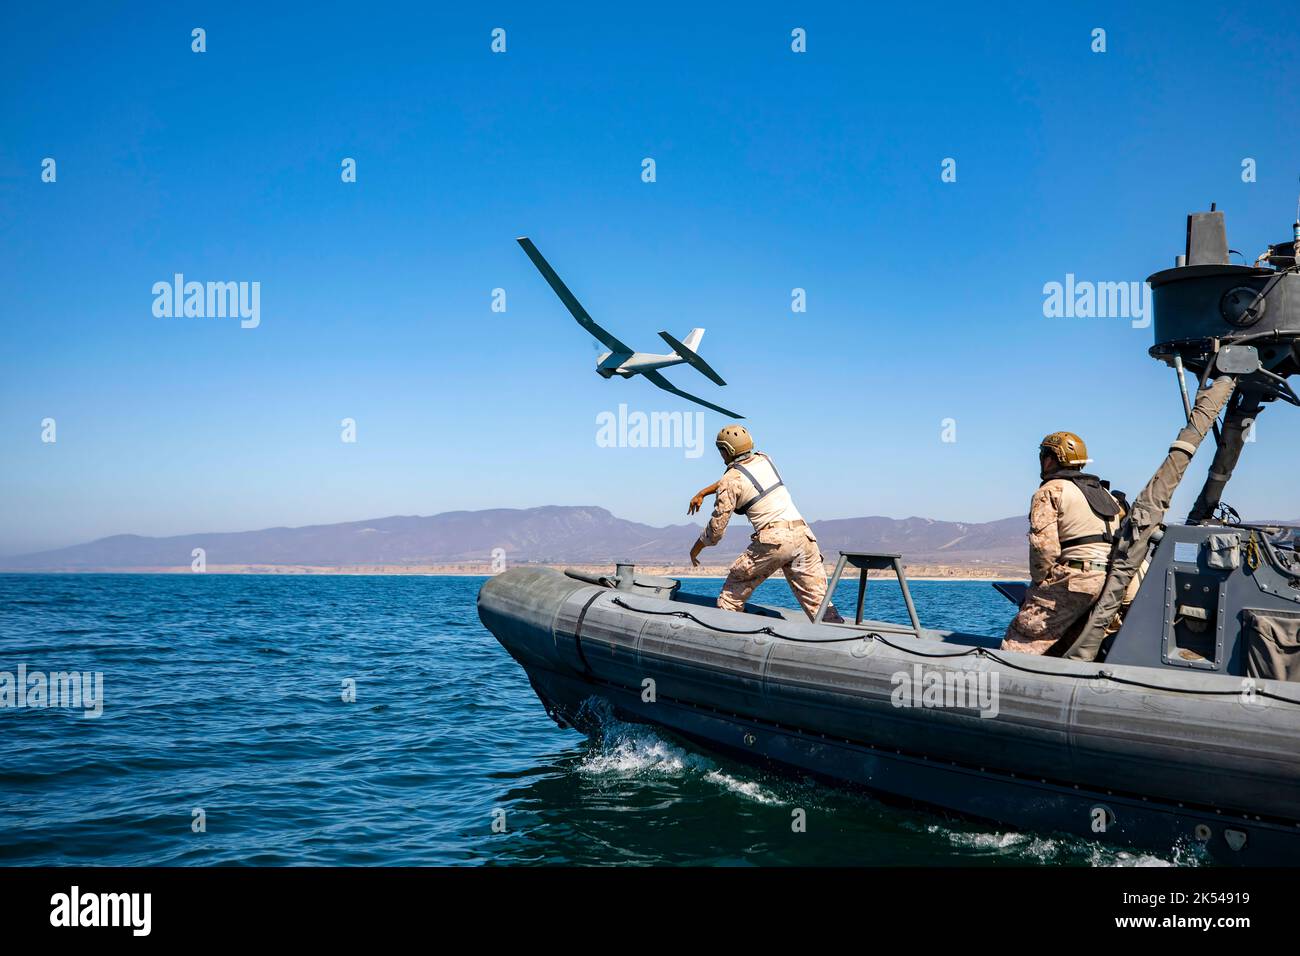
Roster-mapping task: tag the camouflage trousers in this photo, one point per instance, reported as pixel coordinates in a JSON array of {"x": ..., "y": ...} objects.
[
  {"x": 1052, "y": 607},
  {"x": 792, "y": 551}
]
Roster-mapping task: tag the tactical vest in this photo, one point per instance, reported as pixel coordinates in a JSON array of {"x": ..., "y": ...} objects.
[
  {"x": 771, "y": 499},
  {"x": 1105, "y": 509}
]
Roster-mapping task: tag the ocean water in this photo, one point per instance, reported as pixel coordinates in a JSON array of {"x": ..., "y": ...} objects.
[{"x": 225, "y": 738}]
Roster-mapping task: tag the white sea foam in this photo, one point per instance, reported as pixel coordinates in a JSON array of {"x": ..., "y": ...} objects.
[
  {"x": 634, "y": 750},
  {"x": 1011, "y": 843},
  {"x": 1105, "y": 857},
  {"x": 1054, "y": 850},
  {"x": 745, "y": 788}
]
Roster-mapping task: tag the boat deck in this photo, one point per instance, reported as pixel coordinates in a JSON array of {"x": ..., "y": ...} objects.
[{"x": 794, "y": 615}]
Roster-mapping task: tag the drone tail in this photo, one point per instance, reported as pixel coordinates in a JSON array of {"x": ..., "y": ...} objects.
[{"x": 686, "y": 352}]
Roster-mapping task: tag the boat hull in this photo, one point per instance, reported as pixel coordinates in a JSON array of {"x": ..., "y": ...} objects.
[{"x": 1114, "y": 754}]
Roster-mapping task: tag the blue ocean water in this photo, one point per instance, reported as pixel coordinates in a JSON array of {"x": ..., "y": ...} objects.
[{"x": 225, "y": 694}]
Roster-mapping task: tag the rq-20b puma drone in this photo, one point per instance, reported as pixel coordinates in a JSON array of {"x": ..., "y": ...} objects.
[{"x": 623, "y": 361}]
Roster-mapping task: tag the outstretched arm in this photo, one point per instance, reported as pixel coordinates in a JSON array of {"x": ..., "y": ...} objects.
[
  {"x": 700, "y": 495},
  {"x": 723, "y": 506}
]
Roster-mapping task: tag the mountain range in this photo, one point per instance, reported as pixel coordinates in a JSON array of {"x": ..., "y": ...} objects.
[{"x": 551, "y": 534}]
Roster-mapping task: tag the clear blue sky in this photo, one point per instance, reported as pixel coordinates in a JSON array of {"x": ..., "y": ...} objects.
[{"x": 775, "y": 170}]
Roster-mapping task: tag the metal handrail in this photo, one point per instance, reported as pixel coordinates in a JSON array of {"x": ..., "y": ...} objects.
[{"x": 866, "y": 561}]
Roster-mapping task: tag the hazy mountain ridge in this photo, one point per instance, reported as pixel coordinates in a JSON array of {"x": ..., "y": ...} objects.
[
  {"x": 550, "y": 534},
  {"x": 547, "y": 534}
]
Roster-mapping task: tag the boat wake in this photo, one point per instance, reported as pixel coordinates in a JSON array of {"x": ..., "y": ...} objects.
[
  {"x": 622, "y": 750},
  {"x": 1020, "y": 847}
]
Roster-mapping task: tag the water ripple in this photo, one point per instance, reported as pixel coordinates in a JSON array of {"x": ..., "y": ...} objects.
[{"x": 226, "y": 700}]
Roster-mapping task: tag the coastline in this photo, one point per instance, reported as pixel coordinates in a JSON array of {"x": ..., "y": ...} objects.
[{"x": 915, "y": 572}]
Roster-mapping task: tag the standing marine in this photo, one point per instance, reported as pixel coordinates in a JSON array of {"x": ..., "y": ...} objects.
[
  {"x": 782, "y": 540},
  {"x": 1073, "y": 519}
]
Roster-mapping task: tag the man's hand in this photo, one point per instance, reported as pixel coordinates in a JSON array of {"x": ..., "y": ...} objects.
[
  {"x": 695, "y": 554},
  {"x": 700, "y": 495}
]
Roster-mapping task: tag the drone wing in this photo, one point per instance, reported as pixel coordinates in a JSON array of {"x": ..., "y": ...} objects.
[
  {"x": 691, "y": 357},
  {"x": 668, "y": 386},
  {"x": 569, "y": 300}
]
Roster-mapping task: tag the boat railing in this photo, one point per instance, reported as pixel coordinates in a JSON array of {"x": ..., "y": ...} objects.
[{"x": 866, "y": 561}]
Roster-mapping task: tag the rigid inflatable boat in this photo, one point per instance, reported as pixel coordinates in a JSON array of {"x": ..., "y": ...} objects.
[{"x": 1172, "y": 718}]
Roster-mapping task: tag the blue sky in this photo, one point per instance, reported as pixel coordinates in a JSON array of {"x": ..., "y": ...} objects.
[{"x": 775, "y": 170}]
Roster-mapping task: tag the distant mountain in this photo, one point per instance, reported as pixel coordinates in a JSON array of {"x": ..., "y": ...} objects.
[
  {"x": 553, "y": 534},
  {"x": 924, "y": 539}
]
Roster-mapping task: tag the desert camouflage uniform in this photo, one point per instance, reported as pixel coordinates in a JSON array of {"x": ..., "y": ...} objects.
[
  {"x": 1060, "y": 596},
  {"x": 782, "y": 541}
]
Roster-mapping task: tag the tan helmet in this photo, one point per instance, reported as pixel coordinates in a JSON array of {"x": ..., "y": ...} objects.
[
  {"x": 733, "y": 441},
  {"x": 1066, "y": 447}
]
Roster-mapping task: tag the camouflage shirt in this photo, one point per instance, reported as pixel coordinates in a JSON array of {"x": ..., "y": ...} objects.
[
  {"x": 1059, "y": 511},
  {"x": 730, "y": 489}
]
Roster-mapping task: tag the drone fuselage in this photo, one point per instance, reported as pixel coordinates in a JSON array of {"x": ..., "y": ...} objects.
[{"x": 626, "y": 365}]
